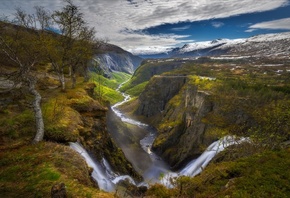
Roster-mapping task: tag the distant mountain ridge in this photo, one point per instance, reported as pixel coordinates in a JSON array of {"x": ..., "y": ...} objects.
[
  {"x": 260, "y": 45},
  {"x": 113, "y": 58}
]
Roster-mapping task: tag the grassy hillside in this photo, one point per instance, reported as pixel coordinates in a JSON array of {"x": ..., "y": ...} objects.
[
  {"x": 31, "y": 170},
  {"x": 144, "y": 72},
  {"x": 106, "y": 88}
]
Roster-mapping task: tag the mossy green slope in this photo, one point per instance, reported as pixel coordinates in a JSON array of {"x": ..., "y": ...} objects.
[
  {"x": 106, "y": 88},
  {"x": 31, "y": 171}
]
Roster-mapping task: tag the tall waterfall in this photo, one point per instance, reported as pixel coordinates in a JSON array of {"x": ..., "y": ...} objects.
[
  {"x": 99, "y": 174},
  {"x": 196, "y": 166},
  {"x": 102, "y": 172}
]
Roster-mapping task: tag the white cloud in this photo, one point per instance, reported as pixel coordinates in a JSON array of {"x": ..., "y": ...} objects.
[
  {"x": 181, "y": 28},
  {"x": 217, "y": 24},
  {"x": 112, "y": 17},
  {"x": 281, "y": 24},
  {"x": 250, "y": 30}
]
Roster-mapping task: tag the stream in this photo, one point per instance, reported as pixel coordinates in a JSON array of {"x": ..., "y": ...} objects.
[{"x": 135, "y": 139}]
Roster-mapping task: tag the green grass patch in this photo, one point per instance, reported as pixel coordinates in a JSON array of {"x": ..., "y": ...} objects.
[
  {"x": 106, "y": 88},
  {"x": 137, "y": 90},
  {"x": 108, "y": 94},
  {"x": 113, "y": 83}
]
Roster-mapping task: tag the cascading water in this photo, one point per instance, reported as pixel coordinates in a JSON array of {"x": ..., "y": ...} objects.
[
  {"x": 99, "y": 173},
  {"x": 196, "y": 166},
  {"x": 107, "y": 179},
  {"x": 102, "y": 172}
]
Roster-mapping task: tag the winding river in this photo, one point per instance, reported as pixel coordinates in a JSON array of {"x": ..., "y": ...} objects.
[{"x": 135, "y": 139}]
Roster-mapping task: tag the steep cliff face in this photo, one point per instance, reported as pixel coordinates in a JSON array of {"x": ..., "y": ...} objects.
[
  {"x": 112, "y": 58},
  {"x": 188, "y": 117},
  {"x": 186, "y": 135},
  {"x": 158, "y": 92},
  {"x": 178, "y": 110}
]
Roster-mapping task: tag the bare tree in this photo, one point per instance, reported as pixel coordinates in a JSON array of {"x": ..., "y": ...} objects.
[
  {"x": 22, "y": 47},
  {"x": 74, "y": 45}
]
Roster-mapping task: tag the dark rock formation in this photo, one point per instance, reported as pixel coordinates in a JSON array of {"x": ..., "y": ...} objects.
[
  {"x": 158, "y": 92},
  {"x": 58, "y": 191}
]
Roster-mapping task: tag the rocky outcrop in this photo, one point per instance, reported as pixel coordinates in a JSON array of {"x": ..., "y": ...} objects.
[
  {"x": 58, "y": 191},
  {"x": 150, "y": 68}
]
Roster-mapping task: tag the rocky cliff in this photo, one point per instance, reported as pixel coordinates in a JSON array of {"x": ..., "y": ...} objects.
[
  {"x": 176, "y": 109},
  {"x": 184, "y": 116},
  {"x": 112, "y": 58},
  {"x": 160, "y": 90}
]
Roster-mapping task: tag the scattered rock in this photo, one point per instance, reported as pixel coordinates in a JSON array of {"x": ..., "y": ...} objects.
[{"x": 58, "y": 191}]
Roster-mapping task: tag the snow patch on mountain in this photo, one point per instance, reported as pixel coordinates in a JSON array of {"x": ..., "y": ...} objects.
[
  {"x": 265, "y": 44},
  {"x": 202, "y": 45}
]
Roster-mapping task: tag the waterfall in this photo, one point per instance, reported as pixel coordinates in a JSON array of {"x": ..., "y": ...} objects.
[
  {"x": 99, "y": 174},
  {"x": 107, "y": 179},
  {"x": 103, "y": 175},
  {"x": 196, "y": 166}
]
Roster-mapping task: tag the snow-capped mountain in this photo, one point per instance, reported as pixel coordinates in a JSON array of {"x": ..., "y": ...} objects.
[{"x": 261, "y": 45}]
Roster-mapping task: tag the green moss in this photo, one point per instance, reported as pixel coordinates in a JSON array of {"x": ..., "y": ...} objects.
[
  {"x": 203, "y": 83},
  {"x": 19, "y": 125},
  {"x": 158, "y": 190},
  {"x": 61, "y": 122}
]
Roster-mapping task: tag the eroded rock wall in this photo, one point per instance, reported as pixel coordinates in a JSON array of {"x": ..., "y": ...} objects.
[
  {"x": 158, "y": 92},
  {"x": 176, "y": 109}
]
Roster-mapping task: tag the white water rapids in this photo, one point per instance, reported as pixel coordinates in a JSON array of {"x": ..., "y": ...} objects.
[{"x": 107, "y": 179}]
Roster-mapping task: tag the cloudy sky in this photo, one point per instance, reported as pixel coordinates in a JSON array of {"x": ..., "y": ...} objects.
[{"x": 152, "y": 26}]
